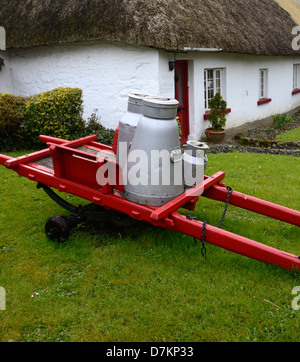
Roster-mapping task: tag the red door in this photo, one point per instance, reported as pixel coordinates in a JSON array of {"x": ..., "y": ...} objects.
[{"x": 182, "y": 95}]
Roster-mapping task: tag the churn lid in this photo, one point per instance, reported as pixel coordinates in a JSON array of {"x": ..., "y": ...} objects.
[
  {"x": 135, "y": 102},
  {"x": 160, "y": 108}
]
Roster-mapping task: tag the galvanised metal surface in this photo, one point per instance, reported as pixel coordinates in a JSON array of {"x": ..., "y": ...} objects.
[
  {"x": 156, "y": 132},
  {"x": 129, "y": 122},
  {"x": 194, "y": 163}
]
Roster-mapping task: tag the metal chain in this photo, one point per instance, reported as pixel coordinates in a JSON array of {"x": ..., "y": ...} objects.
[
  {"x": 203, "y": 240},
  {"x": 230, "y": 191},
  {"x": 203, "y": 236}
]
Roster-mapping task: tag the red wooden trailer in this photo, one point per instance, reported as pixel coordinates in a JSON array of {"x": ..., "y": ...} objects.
[{"x": 71, "y": 167}]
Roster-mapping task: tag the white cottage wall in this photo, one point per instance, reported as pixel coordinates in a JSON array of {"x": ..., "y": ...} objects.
[
  {"x": 6, "y": 85},
  {"x": 106, "y": 73},
  {"x": 166, "y": 77},
  {"x": 241, "y": 87}
]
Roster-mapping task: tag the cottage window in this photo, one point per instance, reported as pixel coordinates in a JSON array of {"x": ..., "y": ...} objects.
[
  {"x": 213, "y": 84},
  {"x": 263, "y": 87},
  {"x": 296, "y": 83},
  {"x": 263, "y": 91},
  {"x": 296, "y": 76}
]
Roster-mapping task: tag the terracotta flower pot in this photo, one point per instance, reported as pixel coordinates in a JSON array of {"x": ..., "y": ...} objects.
[{"x": 214, "y": 136}]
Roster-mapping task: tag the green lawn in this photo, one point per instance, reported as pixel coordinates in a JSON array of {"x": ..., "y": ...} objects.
[
  {"x": 290, "y": 136},
  {"x": 140, "y": 283}
]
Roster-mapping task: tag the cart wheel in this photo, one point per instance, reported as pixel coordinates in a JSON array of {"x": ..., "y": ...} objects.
[{"x": 56, "y": 228}]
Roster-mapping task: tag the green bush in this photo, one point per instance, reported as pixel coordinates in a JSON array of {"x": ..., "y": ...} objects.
[
  {"x": 93, "y": 126},
  {"x": 281, "y": 119},
  {"x": 57, "y": 113},
  {"x": 12, "y": 110},
  {"x": 217, "y": 116}
]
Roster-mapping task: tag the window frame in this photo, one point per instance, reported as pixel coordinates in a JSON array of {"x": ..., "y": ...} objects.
[
  {"x": 263, "y": 87},
  {"x": 296, "y": 78},
  {"x": 263, "y": 83},
  {"x": 218, "y": 84},
  {"x": 221, "y": 87}
]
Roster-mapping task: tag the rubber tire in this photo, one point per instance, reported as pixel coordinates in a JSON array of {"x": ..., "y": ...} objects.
[{"x": 56, "y": 228}]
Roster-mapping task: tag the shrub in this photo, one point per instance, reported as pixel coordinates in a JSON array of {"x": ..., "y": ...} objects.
[
  {"x": 93, "y": 126},
  {"x": 12, "y": 110},
  {"x": 281, "y": 119},
  {"x": 179, "y": 126},
  {"x": 57, "y": 113},
  {"x": 217, "y": 116}
]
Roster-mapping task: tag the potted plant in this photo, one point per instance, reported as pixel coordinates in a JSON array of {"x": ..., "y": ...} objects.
[{"x": 217, "y": 119}]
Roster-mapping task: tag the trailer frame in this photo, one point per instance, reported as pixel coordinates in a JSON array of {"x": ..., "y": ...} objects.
[{"x": 74, "y": 167}]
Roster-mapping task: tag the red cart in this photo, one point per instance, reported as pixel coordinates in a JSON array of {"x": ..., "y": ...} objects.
[{"x": 71, "y": 166}]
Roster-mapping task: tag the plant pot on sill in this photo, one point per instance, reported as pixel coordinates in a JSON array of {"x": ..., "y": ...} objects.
[{"x": 214, "y": 136}]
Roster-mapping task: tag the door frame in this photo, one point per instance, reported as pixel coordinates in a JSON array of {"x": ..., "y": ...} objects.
[{"x": 183, "y": 108}]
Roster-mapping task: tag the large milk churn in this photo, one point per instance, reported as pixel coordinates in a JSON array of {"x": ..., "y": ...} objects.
[
  {"x": 155, "y": 159},
  {"x": 194, "y": 163},
  {"x": 128, "y": 124}
]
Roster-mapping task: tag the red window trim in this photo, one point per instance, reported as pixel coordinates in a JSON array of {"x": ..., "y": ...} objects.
[
  {"x": 295, "y": 91},
  {"x": 264, "y": 101},
  {"x": 207, "y": 113}
]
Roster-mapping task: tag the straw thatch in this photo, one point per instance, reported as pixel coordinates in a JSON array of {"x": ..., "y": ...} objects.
[
  {"x": 240, "y": 26},
  {"x": 292, "y": 7}
]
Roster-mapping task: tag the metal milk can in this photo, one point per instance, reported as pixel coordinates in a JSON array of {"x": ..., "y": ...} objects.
[
  {"x": 128, "y": 124},
  {"x": 154, "y": 172},
  {"x": 194, "y": 163}
]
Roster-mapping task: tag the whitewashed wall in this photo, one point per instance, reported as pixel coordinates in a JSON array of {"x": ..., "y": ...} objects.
[
  {"x": 106, "y": 73},
  {"x": 5, "y": 74},
  {"x": 242, "y": 87}
]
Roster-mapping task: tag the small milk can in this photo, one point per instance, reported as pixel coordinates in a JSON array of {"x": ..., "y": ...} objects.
[{"x": 194, "y": 163}]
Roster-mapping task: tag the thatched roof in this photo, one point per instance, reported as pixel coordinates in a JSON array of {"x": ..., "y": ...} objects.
[
  {"x": 240, "y": 26},
  {"x": 292, "y": 7}
]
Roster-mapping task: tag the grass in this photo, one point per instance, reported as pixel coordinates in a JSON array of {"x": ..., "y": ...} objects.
[
  {"x": 290, "y": 136},
  {"x": 140, "y": 283}
]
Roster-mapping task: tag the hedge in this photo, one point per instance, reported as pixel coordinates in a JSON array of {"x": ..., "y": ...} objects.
[
  {"x": 12, "y": 111},
  {"x": 57, "y": 113},
  {"x": 93, "y": 126}
]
